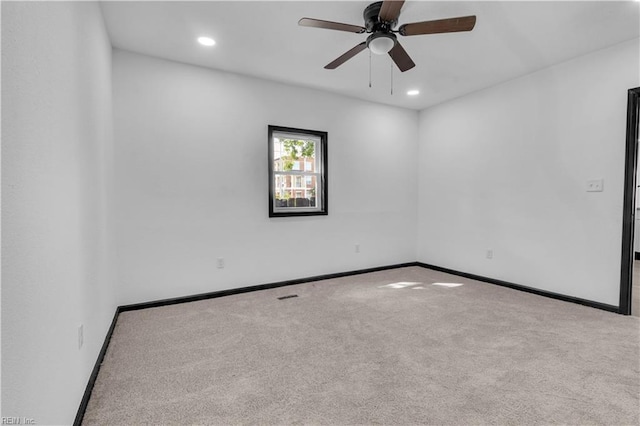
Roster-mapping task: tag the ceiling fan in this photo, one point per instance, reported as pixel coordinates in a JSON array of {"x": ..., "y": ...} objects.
[{"x": 380, "y": 18}]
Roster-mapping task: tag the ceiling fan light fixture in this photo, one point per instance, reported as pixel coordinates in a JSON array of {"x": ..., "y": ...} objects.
[{"x": 381, "y": 43}]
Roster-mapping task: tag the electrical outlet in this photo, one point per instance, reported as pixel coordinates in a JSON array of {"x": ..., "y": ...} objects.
[
  {"x": 595, "y": 185},
  {"x": 220, "y": 263},
  {"x": 80, "y": 336},
  {"x": 357, "y": 248},
  {"x": 489, "y": 254}
]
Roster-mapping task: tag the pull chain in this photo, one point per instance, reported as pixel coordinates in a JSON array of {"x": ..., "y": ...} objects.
[
  {"x": 391, "y": 77},
  {"x": 369, "y": 68}
]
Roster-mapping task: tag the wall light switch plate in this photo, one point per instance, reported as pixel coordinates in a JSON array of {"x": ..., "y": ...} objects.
[{"x": 595, "y": 185}]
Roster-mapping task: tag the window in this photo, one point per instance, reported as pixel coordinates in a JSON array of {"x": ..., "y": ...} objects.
[{"x": 297, "y": 172}]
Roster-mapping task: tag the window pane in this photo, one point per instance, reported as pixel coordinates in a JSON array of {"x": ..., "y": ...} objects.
[
  {"x": 293, "y": 154},
  {"x": 295, "y": 190}
]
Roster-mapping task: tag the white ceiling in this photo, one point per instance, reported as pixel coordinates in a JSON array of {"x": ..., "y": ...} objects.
[{"x": 262, "y": 39}]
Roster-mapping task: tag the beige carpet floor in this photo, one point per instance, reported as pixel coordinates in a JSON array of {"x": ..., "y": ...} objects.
[{"x": 387, "y": 347}]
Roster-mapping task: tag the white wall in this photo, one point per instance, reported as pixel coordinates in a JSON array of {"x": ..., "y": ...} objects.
[
  {"x": 506, "y": 169},
  {"x": 56, "y": 165},
  {"x": 191, "y": 179}
]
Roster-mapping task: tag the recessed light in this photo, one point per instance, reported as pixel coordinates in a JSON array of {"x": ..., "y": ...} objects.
[
  {"x": 413, "y": 92},
  {"x": 206, "y": 41}
]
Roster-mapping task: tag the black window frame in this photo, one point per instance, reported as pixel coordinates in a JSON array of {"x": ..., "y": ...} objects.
[{"x": 323, "y": 208}]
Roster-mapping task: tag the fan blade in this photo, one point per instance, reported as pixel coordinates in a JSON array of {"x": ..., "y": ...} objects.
[
  {"x": 451, "y": 25},
  {"x": 346, "y": 56},
  {"x": 401, "y": 58},
  {"x": 390, "y": 10},
  {"x": 328, "y": 25}
]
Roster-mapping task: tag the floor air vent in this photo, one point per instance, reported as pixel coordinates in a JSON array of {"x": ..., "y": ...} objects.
[{"x": 287, "y": 297}]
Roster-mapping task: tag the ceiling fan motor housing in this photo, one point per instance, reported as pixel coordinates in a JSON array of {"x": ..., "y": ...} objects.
[{"x": 373, "y": 23}]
